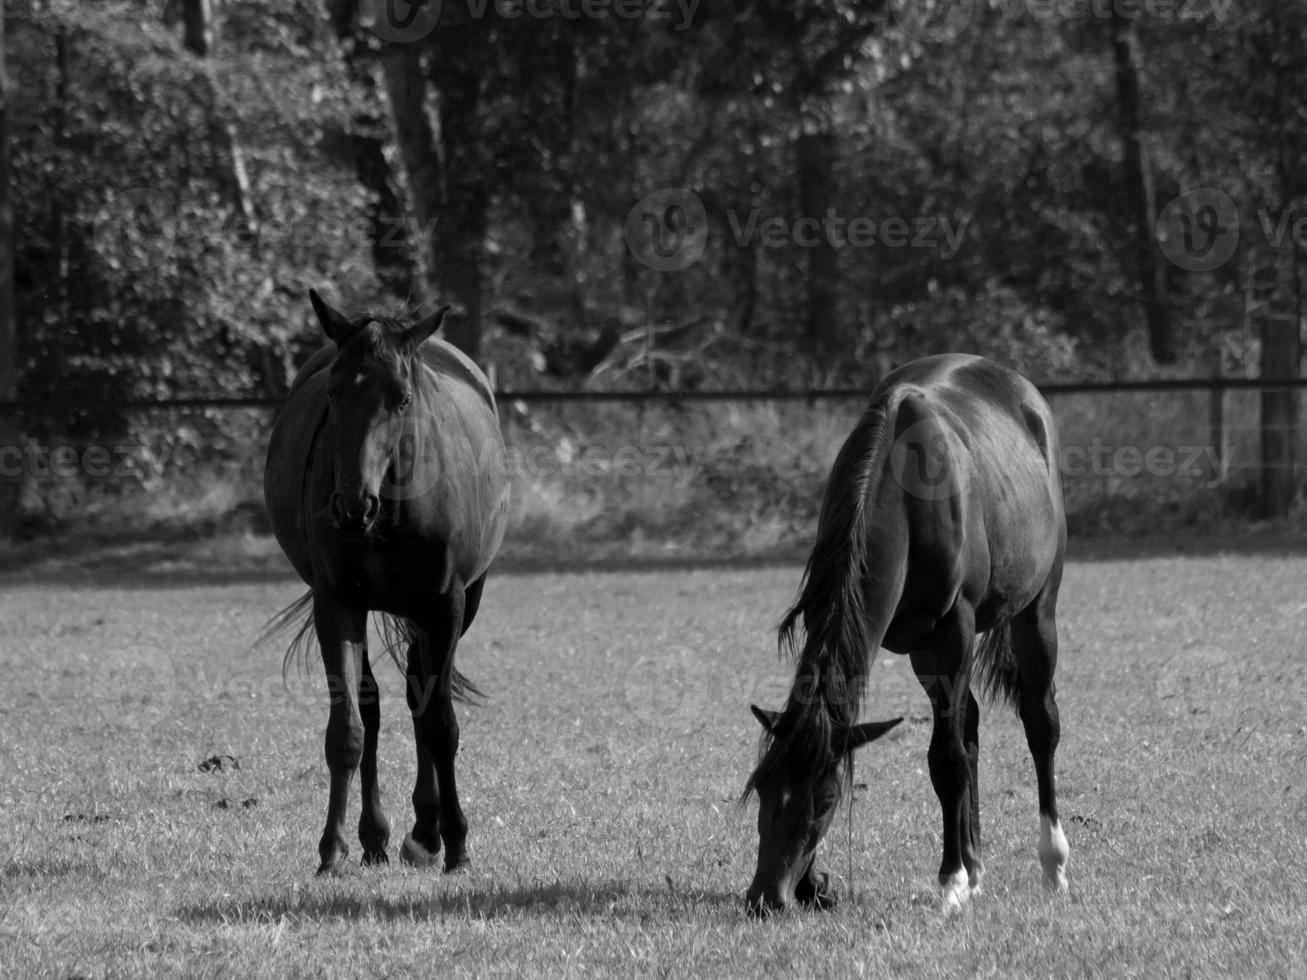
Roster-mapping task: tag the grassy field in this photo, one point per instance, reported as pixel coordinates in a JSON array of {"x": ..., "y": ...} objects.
[{"x": 601, "y": 780}]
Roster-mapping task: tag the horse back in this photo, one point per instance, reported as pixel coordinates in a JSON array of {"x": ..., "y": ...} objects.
[{"x": 972, "y": 468}]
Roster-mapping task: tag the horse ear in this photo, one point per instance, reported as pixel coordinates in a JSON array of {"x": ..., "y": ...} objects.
[
  {"x": 417, "y": 334},
  {"x": 769, "y": 720},
  {"x": 860, "y": 735},
  {"x": 334, "y": 324}
]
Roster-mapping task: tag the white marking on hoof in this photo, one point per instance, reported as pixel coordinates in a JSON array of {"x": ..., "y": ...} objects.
[
  {"x": 955, "y": 891},
  {"x": 977, "y": 881},
  {"x": 1053, "y": 854},
  {"x": 415, "y": 854}
]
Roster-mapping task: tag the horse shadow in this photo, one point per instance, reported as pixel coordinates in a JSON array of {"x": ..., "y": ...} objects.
[{"x": 560, "y": 899}]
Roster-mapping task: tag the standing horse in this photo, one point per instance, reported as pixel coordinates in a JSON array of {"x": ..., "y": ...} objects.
[
  {"x": 942, "y": 519},
  {"x": 387, "y": 487}
]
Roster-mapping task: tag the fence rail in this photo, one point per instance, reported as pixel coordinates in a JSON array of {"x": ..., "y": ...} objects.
[{"x": 1213, "y": 384}]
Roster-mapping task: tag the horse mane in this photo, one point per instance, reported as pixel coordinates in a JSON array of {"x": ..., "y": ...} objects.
[
  {"x": 374, "y": 333},
  {"x": 839, "y": 643}
]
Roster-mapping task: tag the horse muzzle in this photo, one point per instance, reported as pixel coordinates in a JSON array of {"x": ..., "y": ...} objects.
[
  {"x": 763, "y": 902},
  {"x": 354, "y": 518}
]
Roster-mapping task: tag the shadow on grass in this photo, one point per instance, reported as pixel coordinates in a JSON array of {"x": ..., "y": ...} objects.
[
  {"x": 47, "y": 867},
  {"x": 612, "y": 898}
]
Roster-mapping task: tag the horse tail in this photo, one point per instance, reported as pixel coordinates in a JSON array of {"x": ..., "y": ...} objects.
[
  {"x": 397, "y": 633},
  {"x": 997, "y": 675},
  {"x": 299, "y": 617}
]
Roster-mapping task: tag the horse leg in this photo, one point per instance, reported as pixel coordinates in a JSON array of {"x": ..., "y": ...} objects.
[
  {"x": 971, "y": 831},
  {"x": 472, "y": 602},
  {"x": 342, "y": 634},
  {"x": 374, "y": 828},
  {"x": 440, "y": 726},
  {"x": 422, "y": 844},
  {"x": 1034, "y": 642},
  {"x": 944, "y": 670}
]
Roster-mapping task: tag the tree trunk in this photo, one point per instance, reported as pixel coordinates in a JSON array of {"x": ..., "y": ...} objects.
[
  {"x": 392, "y": 248},
  {"x": 1281, "y": 354},
  {"x": 1279, "y": 280},
  {"x": 10, "y": 488},
  {"x": 406, "y": 88},
  {"x": 1139, "y": 180},
  {"x": 197, "y": 26},
  {"x": 463, "y": 223},
  {"x": 816, "y": 152}
]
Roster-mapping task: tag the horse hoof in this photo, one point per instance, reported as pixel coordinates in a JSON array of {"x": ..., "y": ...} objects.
[
  {"x": 371, "y": 858},
  {"x": 1053, "y": 855},
  {"x": 815, "y": 892},
  {"x": 416, "y": 854},
  {"x": 455, "y": 863},
  {"x": 1055, "y": 881},
  {"x": 328, "y": 868},
  {"x": 333, "y": 859},
  {"x": 955, "y": 893}
]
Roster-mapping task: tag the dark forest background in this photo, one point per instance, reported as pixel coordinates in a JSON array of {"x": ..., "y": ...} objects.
[{"x": 1120, "y": 180}]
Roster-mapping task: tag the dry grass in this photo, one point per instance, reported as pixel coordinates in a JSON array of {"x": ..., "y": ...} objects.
[
  {"x": 600, "y": 783},
  {"x": 700, "y": 480}
]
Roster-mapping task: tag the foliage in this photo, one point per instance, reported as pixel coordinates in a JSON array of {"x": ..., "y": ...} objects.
[{"x": 172, "y": 210}]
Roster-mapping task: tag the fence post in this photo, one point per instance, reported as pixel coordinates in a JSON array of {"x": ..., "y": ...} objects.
[{"x": 1216, "y": 418}]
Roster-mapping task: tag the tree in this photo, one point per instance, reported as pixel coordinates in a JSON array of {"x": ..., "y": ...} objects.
[
  {"x": 9, "y": 488},
  {"x": 1276, "y": 43},
  {"x": 1139, "y": 180}
]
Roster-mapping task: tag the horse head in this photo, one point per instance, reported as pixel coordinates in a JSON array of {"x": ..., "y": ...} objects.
[
  {"x": 372, "y": 387},
  {"x": 799, "y": 785}
]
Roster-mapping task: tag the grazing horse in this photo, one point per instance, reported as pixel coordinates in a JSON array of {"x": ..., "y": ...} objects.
[
  {"x": 942, "y": 519},
  {"x": 387, "y": 487}
]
